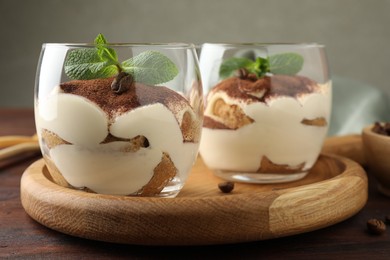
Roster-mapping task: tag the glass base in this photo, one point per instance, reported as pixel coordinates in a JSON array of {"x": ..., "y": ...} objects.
[
  {"x": 170, "y": 190},
  {"x": 260, "y": 178},
  {"x": 384, "y": 190}
]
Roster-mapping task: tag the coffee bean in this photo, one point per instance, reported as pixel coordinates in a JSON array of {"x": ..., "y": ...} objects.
[
  {"x": 376, "y": 226},
  {"x": 226, "y": 187}
]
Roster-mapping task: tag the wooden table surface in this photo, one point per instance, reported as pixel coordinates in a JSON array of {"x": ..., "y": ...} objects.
[{"x": 22, "y": 237}]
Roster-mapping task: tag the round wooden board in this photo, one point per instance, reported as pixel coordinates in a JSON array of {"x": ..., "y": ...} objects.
[
  {"x": 334, "y": 190},
  {"x": 350, "y": 146}
]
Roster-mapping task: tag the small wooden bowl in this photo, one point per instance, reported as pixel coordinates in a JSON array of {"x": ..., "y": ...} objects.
[{"x": 377, "y": 153}]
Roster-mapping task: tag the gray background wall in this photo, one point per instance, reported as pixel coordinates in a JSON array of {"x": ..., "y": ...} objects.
[{"x": 356, "y": 32}]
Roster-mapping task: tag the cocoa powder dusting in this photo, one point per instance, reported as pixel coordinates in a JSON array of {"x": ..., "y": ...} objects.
[
  {"x": 99, "y": 91},
  {"x": 274, "y": 86},
  {"x": 261, "y": 90},
  {"x": 292, "y": 86},
  {"x": 236, "y": 87}
]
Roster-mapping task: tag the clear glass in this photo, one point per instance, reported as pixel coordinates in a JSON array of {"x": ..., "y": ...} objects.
[
  {"x": 265, "y": 128},
  {"x": 140, "y": 141}
]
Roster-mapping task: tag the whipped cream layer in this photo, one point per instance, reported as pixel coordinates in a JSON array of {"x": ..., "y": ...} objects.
[
  {"x": 107, "y": 167},
  {"x": 277, "y": 132}
]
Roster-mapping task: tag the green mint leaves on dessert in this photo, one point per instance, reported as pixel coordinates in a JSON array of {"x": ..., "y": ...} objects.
[
  {"x": 148, "y": 67},
  {"x": 86, "y": 64},
  {"x": 229, "y": 66},
  {"x": 284, "y": 63},
  {"x": 104, "y": 53}
]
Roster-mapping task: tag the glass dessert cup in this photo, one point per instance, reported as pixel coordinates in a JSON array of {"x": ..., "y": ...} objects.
[
  {"x": 267, "y": 110},
  {"x": 126, "y": 120}
]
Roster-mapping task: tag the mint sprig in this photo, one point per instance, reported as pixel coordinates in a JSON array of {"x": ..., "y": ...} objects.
[
  {"x": 148, "y": 67},
  {"x": 283, "y": 63},
  {"x": 105, "y": 53}
]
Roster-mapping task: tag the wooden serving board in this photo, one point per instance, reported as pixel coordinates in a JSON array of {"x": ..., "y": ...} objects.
[
  {"x": 334, "y": 190},
  {"x": 350, "y": 146}
]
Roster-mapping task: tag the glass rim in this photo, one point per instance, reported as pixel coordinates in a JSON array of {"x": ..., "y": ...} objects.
[
  {"x": 265, "y": 44},
  {"x": 173, "y": 45}
]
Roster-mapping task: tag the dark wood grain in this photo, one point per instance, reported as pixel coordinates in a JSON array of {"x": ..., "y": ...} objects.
[{"x": 22, "y": 237}]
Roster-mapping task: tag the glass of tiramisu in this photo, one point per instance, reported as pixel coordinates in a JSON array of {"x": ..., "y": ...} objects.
[
  {"x": 267, "y": 110},
  {"x": 119, "y": 119}
]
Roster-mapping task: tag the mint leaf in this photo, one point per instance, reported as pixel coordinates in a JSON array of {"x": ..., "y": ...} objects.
[
  {"x": 229, "y": 66},
  {"x": 150, "y": 67},
  {"x": 259, "y": 67},
  {"x": 285, "y": 63},
  {"x": 86, "y": 64},
  {"x": 105, "y": 53},
  {"x": 100, "y": 40}
]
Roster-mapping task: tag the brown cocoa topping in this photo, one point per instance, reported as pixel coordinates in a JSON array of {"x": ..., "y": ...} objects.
[
  {"x": 261, "y": 90},
  {"x": 292, "y": 86},
  {"x": 274, "y": 86},
  {"x": 235, "y": 87},
  {"x": 99, "y": 92},
  {"x": 252, "y": 77},
  {"x": 258, "y": 89}
]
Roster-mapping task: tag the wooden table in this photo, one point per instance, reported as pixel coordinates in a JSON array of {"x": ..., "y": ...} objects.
[{"x": 22, "y": 237}]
